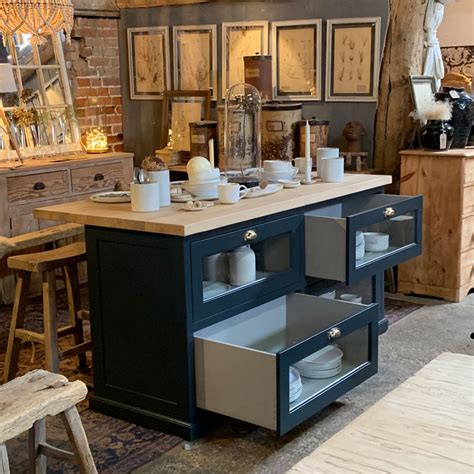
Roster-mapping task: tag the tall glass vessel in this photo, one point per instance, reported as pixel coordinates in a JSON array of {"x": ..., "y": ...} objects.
[{"x": 242, "y": 135}]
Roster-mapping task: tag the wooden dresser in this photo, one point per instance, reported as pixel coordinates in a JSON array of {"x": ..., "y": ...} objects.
[
  {"x": 446, "y": 180},
  {"x": 43, "y": 182}
]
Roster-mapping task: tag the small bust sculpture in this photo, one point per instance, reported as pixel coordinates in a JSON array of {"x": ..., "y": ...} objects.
[{"x": 353, "y": 133}]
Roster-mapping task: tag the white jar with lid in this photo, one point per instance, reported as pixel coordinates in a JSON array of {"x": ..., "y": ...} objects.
[{"x": 242, "y": 266}]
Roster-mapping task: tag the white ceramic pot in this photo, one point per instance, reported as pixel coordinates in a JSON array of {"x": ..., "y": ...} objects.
[
  {"x": 332, "y": 169},
  {"x": 207, "y": 175},
  {"x": 163, "y": 178},
  {"x": 242, "y": 266},
  {"x": 216, "y": 267},
  {"x": 325, "y": 153},
  {"x": 145, "y": 197},
  {"x": 376, "y": 241},
  {"x": 277, "y": 166}
]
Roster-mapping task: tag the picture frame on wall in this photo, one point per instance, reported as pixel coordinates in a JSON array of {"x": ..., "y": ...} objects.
[
  {"x": 195, "y": 58},
  {"x": 423, "y": 90},
  {"x": 296, "y": 59},
  {"x": 148, "y": 62},
  {"x": 240, "y": 39},
  {"x": 179, "y": 109},
  {"x": 352, "y": 59}
]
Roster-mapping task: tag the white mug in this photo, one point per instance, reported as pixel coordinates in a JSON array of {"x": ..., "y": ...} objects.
[
  {"x": 332, "y": 170},
  {"x": 300, "y": 164},
  {"x": 325, "y": 153},
  {"x": 230, "y": 193},
  {"x": 277, "y": 166},
  {"x": 145, "y": 197}
]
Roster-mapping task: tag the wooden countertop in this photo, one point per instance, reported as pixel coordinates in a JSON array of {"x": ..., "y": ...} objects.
[
  {"x": 172, "y": 220},
  {"x": 32, "y": 164},
  {"x": 467, "y": 152}
]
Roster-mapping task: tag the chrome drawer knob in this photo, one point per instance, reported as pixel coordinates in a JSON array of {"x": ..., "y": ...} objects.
[
  {"x": 250, "y": 235},
  {"x": 389, "y": 212},
  {"x": 334, "y": 333}
]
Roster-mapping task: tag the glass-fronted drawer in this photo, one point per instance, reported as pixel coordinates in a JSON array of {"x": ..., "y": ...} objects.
[
  {"x": 362, "y": 236},
  {"x": 279, "y": 363},
  {"x": 245, "y": 265}
]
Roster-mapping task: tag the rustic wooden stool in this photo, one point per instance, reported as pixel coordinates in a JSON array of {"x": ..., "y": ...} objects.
[
  {"x": 26, "y": 401},
  {"x": 46, "y": 263}
]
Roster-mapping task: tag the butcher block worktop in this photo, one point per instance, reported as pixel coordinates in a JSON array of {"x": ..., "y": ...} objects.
[{"x": 172, "y": 220}]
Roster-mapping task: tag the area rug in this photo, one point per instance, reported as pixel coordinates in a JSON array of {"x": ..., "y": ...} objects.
[
  {"x": 117, "y": 446},
  {"x": 395, "y": 310}
]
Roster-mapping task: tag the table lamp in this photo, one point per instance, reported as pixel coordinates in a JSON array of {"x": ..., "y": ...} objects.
[{"x": 7, "y": 85}]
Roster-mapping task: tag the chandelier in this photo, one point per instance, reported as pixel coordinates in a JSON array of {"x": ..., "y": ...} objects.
[{"x": 39, "y": 18}]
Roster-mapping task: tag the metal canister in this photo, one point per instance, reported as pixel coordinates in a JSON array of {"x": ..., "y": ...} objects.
[
  {"x": 319, "y": 131},
  {"x": 200, "y": 133},
  {"x": 279, "y": 123},
  {"x": 258, "y": 73}
]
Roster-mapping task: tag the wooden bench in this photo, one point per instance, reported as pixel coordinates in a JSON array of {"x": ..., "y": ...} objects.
[{"x": 26, "y": 401}]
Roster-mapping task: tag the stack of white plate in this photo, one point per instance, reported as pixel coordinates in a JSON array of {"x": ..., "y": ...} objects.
[
  {"x": 296, "y": 387},
  {"x": 360, "y": 245},
  {"x": 322, "y": 364}
]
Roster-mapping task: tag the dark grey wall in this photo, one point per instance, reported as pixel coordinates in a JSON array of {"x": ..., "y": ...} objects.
[{"x": 142, "y": 130}]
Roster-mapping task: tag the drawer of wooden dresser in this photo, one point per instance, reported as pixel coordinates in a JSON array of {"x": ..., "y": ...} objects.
[
  {"x": 96, "y": 178},
  {"x": 34, "y": 186}
]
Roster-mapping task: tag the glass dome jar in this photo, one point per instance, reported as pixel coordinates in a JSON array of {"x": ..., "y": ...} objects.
[{"x": 242, "y": 136}]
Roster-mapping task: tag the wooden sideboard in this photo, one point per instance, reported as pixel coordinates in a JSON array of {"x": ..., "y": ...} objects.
[
  {"x": 446, "y": 180},
  {"x": 44, "y": 182}
]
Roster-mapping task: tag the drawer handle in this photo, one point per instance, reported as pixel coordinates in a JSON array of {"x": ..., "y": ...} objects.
[
  {"x": 389, "y": 212},
  {"x": 334, "y": 333},
  {"x": 98, "y": 177},
  {"x": 38, "y": 186},
  {"x": 250, "y": 235}
]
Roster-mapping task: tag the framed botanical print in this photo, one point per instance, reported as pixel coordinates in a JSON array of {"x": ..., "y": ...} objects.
[
  {"x": 240, "y": 39},
  {"x": 195, "y": 58},
  {"x": 296, "y": 59},
  {"x": 148, "y": 62},
  {"x": 352, "y": 59},
  {"x": 179, "y": 109}
]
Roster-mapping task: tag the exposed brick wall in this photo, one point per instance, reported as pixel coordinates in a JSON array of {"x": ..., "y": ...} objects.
[{"x": 92, "y": 61}]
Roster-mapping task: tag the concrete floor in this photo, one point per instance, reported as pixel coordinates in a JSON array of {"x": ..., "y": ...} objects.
[{"x": 408, "y": 345}]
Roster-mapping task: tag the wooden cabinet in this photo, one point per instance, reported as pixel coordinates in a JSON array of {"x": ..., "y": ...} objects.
[
  {"x": 446, "y": 180},
  {"x": 42, "y": 182}
]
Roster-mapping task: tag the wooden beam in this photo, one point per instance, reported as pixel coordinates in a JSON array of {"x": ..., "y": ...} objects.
[{"x": 155, "y": 3}]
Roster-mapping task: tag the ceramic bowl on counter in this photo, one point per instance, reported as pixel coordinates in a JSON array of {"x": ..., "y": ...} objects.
[
  {"x": 376, "y": 241},
  {"x": 203, "y": 189},
  {"x": 204, "y": 176},
  {"x": 275, "y": 176}
]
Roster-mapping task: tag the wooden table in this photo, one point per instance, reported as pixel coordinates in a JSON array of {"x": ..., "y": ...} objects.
[
  {"x": 424, "y": 425},
  {"x": 446, "y": 180}
]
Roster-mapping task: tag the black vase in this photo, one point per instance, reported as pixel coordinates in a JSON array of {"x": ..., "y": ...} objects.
[
  {"x": 463, "y": 113},
  {"x": 437, "y": 135}
]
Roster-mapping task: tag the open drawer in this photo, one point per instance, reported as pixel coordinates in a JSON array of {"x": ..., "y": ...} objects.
[
  {"x": 242, "y": 364},
  {"x": 363, "y": 236}
]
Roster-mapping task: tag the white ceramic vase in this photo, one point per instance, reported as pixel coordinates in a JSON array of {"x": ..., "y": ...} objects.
[
  {"x": 163, "y": 178},
  {"x": 242, "y": 266}
]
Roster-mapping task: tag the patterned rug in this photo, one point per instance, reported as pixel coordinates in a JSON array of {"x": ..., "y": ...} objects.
[{"x": 117, "y": 446}]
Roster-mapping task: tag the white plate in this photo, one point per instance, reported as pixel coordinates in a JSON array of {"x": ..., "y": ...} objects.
[
  {"x": 322, "y": 374},
  {"x": 195, "y": 209},
  {"x": 290, "y": 183},
  {"x": 112, "y": 197},
  {"x": 324, "y": 359},
  {"x": 259, "y": 192}
]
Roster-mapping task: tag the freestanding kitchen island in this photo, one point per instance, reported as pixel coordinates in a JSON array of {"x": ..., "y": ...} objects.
[{"x": 173, "y": 346}]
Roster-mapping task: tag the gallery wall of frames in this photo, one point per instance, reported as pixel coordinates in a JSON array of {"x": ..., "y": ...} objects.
[{"x": 324, "y": 54}]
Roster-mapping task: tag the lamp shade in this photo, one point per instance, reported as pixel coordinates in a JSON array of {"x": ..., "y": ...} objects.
[{"x": 7, "y": 81}]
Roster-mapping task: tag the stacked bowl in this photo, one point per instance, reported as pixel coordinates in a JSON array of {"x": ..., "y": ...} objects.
[
  {"x": 202, "y": 178},
  {"x": 296, "y": 386},
  {"x": 322, "y": 364},
  {"x": 360, "y": 245}
]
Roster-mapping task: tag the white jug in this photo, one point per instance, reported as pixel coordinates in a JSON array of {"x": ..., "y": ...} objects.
[{"x": 242, "y": 266}]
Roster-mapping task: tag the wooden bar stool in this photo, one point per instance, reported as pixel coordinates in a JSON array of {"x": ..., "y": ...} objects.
[
  {"x": 46, "y": 263},
  {"x": 26, "y": 401}
]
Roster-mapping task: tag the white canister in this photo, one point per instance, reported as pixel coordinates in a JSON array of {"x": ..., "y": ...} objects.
[
  {"x": 163, "y": 178},
  {"x": 325, "y": 153},
  {"x": 242, "y": 266},
  {"x": 332, "y": 170},
  {"x": 145, "y": 197},
  {"x": 216, "y": 267}
]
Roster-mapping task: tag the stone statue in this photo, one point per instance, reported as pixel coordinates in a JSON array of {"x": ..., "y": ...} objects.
[{"x": 353, "y": 133}]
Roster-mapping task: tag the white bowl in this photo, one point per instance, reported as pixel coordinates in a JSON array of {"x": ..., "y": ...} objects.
[
  {"x": 277, "y": 166},
  {"x": 198, "y": 164},
  {"x": 376, "y": 241},
  {"x": 202, "y": 176},
  {"x": 359, "y": 238},
  {"x": 360, "y": 251},
  {"x": 276, "y": 176},
  {"x": 207, "y": 189},
  {"x": 351, "y": 298}
]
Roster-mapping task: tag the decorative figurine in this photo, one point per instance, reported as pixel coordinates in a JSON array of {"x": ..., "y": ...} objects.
[{"x": 353, "y": 133}]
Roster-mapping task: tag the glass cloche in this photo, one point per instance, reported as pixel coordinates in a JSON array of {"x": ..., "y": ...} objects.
[{"x": 242, "y": 136}]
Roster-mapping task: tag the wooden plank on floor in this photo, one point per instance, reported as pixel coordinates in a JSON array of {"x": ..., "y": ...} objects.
[{"x": 425, "y": 425}]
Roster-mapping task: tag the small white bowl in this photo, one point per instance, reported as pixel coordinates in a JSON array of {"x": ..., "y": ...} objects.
[
  {"x": 376, "y": 241},
  {"x": 275, "y": 176},
  {"x": 351, "y": 298},
  {"x": 208, "y": 189},
  {"x": 206, "y": 175}
]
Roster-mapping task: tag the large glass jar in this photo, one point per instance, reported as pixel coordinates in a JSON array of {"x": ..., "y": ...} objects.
[{"x": 242, "y": 136}]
